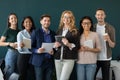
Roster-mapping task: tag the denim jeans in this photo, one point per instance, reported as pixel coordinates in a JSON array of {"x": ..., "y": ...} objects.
[
  {"x": 86, "y": 71},
  {"x": 10, "y": 62},
  {"x": 45, "y": 71}
]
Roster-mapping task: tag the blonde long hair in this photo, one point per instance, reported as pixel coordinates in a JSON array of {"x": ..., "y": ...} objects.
[{"x": 72, "y": 21}]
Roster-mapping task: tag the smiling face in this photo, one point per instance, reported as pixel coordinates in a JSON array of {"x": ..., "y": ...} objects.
[
  {"x": 12, "y": 20},
  {"x": 45, "y": 22},
  {"x": 27, "y": 24},
  {"x": 66, "y": 18},
  {"x": 100, "y": 16},
  {"x": 86, "y": 24}
]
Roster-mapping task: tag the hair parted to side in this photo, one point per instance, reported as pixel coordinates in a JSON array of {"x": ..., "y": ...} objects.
[
  {"x": 45, "y": 15},
  {"x": 100, "y": 9},
  {"x": 8, "y": 24},
  {"x": 80, "y": 23},
  {"x": 31, "y": 19},
  {"x": 72, "y": 21}
]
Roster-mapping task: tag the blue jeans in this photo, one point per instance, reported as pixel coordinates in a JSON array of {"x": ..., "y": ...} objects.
[
  {"x": 86, "y": 71},
  {"x": 44, "y": 72},
  {"x": 10, "y": 62}
]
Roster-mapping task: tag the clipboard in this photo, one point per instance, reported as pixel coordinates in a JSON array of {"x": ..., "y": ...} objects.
[{"x": 58, "y": 38}]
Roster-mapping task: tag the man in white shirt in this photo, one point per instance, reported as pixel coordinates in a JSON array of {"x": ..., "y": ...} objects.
[{"x": 107, "y": 38}]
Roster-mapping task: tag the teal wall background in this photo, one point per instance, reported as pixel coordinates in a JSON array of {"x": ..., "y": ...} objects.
[{"x": 80, "y": 8}]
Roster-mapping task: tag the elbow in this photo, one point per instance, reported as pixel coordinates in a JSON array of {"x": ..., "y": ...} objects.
[{"x": 113, "y": 45}]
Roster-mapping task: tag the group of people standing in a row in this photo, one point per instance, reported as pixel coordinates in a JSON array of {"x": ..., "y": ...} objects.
[{"x": 89, "y": 47}]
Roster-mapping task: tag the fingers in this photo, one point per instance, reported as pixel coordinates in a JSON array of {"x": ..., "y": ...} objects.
[
  {"x": 22, "y": 45},
  {"x": 84, "y": 48},
  {"x": 106, "y": 37},
  {"x": 57, "y": 44},
  {"x": 13, "y": 45},
  {"x": 65, "y": 41},
  {"x": 41, "y": 50},
  {"x": 51, "y": 52}
]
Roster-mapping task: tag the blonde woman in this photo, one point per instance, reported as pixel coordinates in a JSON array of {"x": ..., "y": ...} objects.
[{"x": 66, "y": 52}]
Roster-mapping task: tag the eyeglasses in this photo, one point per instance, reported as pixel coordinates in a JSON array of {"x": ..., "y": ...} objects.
[{"x": 86, "y": 23}]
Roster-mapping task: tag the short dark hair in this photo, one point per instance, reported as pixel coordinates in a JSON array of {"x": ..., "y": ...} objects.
[
  {"x": 100, "y": 9},
  {"x": 45, "y": 15}
]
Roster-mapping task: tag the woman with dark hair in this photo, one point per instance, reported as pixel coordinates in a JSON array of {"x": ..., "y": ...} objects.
[
  {"x": 90, "y": 46},
  {"x": 9, "y": 39},
  {"x": 25, "y": 53}
]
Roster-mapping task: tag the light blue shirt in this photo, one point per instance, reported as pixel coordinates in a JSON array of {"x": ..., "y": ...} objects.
[{"x": 24, "y": 34}]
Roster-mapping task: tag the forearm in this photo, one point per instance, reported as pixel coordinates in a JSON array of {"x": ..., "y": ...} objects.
[
  {"x": 95, "y": 50},
  {"x": 4, "y": 43},
  {"x": 71, "y": 45},
  {"x": 111, "y": 44}
]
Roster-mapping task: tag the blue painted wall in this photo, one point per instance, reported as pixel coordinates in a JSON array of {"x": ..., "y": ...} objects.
[{"x": 80, "y": 8}]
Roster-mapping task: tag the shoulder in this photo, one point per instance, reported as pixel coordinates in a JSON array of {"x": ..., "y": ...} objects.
[
  {"x": 59, "y": 31},
  {"x": 52, "y": 32},
  {"x": 75, "y": 31},
  {"x": 94, "y": 27},
  {"x": 22, "y": 32},
  {"x": 5, "y": 33},
  {"x": 39, "y": 30},
  {"x": 94, "y": 34},
  {"x": 7, "y": 30},
  {"x": 109, "y": 26}
]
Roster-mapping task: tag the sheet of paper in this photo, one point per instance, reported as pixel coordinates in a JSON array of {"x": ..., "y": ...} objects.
[
  {"x": 27, "y": 43},
  {"x": 48, "y": 46},
  {"x": 88, "y": 43}
]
